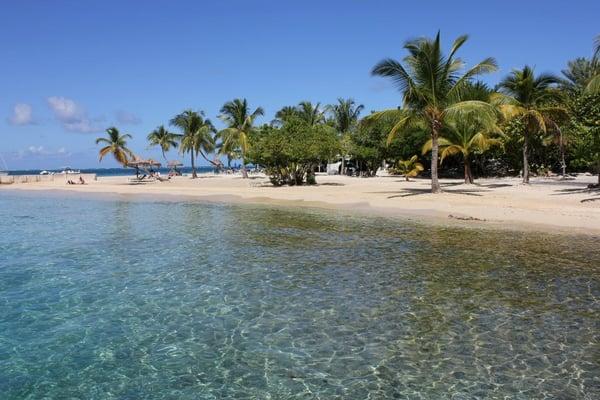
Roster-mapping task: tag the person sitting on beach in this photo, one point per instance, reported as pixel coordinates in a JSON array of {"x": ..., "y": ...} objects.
[
  {"x": 81, "y": 181},
  {"x": 70, "y": 182}
]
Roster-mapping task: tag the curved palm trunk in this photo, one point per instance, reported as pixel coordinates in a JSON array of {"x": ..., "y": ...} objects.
[
  {"x": 194, "y": 174},
  {"x": 525, "y": 158},
  {"x": 204, "y": 156},
  {"x": 435, "y": 184}
]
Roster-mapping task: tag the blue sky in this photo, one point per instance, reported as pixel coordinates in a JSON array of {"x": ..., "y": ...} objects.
[{"x": 72, "y": 68}]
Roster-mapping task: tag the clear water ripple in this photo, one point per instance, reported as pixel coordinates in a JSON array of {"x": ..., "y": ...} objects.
[{"x": 105, "y": 298}]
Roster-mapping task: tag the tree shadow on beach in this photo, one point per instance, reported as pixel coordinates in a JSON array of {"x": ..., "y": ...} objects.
[
  {"x": 494, "y": 185},
  {"x": 593, "y": 192},
  {"x": 559, "y": 182},
  {"x": 331, "y": 184},
  {"x": 409, "y": 192}
]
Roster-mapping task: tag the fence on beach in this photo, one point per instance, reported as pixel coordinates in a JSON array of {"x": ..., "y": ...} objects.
[{"x": 10, "y": 179}]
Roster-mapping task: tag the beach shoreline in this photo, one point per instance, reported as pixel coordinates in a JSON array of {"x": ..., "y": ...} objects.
[{"x": 547, "y": 204}]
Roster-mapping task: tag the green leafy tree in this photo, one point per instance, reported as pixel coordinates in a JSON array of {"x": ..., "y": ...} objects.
[
  {"x": 116, "y": 144},
  {"x": 431, "y": 84},
  {"x": 291, "y": 153},
  {"x": 370, "y": 149},
  {"x": 164, "y": 139},
  {"x": 585, "y": 121},
  {"x": 240, "y": 124},
  {"x": 532, "y": 100},
  {"x": 197, "y": 135}
]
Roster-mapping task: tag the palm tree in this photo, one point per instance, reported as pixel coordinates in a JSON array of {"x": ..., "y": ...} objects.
[
  {"x": 116, "y": 144},
  {"x": 409, "y": 168},
  {"x": 197, "y": 135},
  {"x": 309, "y": 113},
  {"x": 431, "y": 88},
  {"x": 240, "y": 123},
  {"x": 594, "y": 85},
  {"x": 529, "y": 98},
  {"x": 582, "y": 75},
  {"x": 345, "y": 116},
  {"x": 284, "y": 115},
  {"x": 163, "y": 138},
  {"x": 467, "y": 134},
  {"x": 579, "y": 73}
]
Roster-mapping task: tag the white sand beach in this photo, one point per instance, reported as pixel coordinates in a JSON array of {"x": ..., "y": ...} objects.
[{"x": 549, "y": 204}]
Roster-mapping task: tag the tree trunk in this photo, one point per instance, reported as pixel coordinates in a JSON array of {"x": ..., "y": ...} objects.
[
  {"x": 343, "y": 170},
  {"x": 563, "y": 164},
  {"x": 214, "y": 164},
  {"x": 194, "y": 175},
  {"x": 525, "y": 160},
  {"x": 468, "y": 173},
  {"x": 244, "y": 172},
  {"x": 435, "y": 184},
  {"x": 598, "y": 168}
]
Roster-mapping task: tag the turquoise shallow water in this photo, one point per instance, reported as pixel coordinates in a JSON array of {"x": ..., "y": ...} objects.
[{"x": 108, "y": 298}]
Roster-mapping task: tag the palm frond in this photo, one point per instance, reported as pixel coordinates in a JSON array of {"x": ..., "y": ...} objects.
[{"x": 593, "y": 87}]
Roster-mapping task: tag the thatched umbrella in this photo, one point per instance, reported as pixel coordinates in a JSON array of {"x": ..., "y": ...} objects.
[
  {"x": 135, "y": 163},
  {"x": 139, "y": 163},
  {"x": 173, "y": 166},
  {"x": 153, "y": 164}
]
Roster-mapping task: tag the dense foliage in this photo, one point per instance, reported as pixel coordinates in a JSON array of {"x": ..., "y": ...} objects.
[{"x": 291, "y": 153}]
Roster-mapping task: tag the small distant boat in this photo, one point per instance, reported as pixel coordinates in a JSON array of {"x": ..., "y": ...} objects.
[{"x": 68, "y": 170}]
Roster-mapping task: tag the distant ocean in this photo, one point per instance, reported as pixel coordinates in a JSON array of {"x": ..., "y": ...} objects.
[{"x": 110, "y": 171}]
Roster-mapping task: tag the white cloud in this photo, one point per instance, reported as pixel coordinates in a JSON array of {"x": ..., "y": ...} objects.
[
  {"x": 73, "y": 117},
  {"x": 41, "y": 151},
  {"x": 35, "y": 150},
  {"x": 22, "y": 115},
  {"x": 125, "y": 117}
]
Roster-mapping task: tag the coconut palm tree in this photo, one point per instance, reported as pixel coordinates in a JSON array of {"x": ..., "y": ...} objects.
[
  {"x": 284, "y": 114},
  {"x": 197, "y": 135},
  {"x": 431, "y": 84},
  {"x": 116, "y": 144},
  {"x": 309, "y": 113},
  {"x": 466, "y": 134},
  {"x": 345, "y": 117},
  {"x": 530, "y": 99},
  {"x": 579, "y": 73},
  {"x": 594, "y": 84},
  {"x": 240, "y": 123},
  {"x": 163, "y": 138}
]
